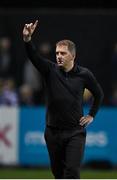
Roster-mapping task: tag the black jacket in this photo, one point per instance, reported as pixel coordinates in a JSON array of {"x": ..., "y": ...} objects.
[{"x": 65, "y": 90}]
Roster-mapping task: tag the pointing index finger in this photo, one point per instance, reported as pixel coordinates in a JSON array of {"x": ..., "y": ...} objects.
[{"x": 35, "y": 24}]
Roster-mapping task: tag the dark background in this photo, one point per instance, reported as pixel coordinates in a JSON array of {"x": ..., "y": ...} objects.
[
  {"x": 91, "y": 25},
  {"x": 59, "y": 3}
]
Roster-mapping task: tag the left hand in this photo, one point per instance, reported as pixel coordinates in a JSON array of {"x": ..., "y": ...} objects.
[{"x": 86, "y": 120}]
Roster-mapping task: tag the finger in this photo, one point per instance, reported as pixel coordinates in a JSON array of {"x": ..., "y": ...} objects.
[
  {"x": 81, "y": 119},
  {"x": 27, "y": 28},
  {"x": 83, "y": 122},
  {"x": 31, "y": 24},
  {"x": 27, "y": 25},
  {"x": 35, "y": 24}
]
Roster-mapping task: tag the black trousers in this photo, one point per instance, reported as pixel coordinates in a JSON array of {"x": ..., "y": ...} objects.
[{"x": 66, "y": 148}]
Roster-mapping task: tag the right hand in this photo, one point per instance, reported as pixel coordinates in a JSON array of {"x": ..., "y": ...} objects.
[{"x": 28, "y": 31}]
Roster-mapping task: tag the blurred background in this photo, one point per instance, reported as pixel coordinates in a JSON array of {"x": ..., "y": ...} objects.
[{"x": 92, "y": 26}]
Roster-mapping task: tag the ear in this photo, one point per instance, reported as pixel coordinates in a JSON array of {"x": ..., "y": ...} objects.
[
  {"x": 74, "y": 56},
  {"x": 72, "y": 59}
]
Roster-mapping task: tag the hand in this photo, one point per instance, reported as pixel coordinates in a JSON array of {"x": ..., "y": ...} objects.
[
  {"x": 28, "y": 31},
  {"x": 86, "y": 120}
]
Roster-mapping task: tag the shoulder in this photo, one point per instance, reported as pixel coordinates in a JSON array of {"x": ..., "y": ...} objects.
[
  {"x": 83, "y": 70},
  {"x": 86, "y": 73}
]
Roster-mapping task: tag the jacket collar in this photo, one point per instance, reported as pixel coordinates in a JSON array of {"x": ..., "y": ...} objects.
[{"x": 73, "y": 70}]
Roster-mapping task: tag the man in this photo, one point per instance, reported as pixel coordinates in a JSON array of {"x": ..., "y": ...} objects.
[{"x": 65, "y": 131}]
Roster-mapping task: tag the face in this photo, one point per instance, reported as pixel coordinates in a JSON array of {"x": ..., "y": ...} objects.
[{"x": 63, "y": 56}]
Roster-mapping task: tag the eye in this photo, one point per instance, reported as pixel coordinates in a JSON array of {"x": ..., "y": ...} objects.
[{"x": 63, "y": 53}]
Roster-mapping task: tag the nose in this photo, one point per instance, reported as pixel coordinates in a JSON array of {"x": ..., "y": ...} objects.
[
  {"x": 59, "y": 55},
  {"x": 59, "y": 58}
]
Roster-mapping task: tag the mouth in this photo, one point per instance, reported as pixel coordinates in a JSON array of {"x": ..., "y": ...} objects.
[{"x": 60, "y": 62}]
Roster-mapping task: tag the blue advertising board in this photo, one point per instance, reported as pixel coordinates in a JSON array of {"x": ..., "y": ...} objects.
[
  {"x": 32, "y": 147},
  {"x": 101, "y": 141}
]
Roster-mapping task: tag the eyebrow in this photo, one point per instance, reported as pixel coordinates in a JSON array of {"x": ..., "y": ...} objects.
[{"x": 60, "y": 51}]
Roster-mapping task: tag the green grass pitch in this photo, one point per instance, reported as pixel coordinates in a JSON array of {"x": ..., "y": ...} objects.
[{"x": 28, "y": 173}]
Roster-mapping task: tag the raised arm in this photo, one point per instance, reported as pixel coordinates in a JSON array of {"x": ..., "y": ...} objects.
[{"x": 39, "y": 62}]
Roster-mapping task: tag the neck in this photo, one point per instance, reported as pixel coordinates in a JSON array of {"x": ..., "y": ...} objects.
[{"x": 68, "y": 67}]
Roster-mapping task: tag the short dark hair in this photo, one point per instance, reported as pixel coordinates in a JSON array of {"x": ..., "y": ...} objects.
[{"x": 71, "y": 45}]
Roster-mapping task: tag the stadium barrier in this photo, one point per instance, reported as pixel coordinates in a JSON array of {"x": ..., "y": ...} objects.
[{"x": 22, "y": 136}]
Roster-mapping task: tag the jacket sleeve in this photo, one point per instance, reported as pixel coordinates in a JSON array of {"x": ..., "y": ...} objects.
[
  {"x": 94, "y": 87},
  {"x": 42, "y": 65}
]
